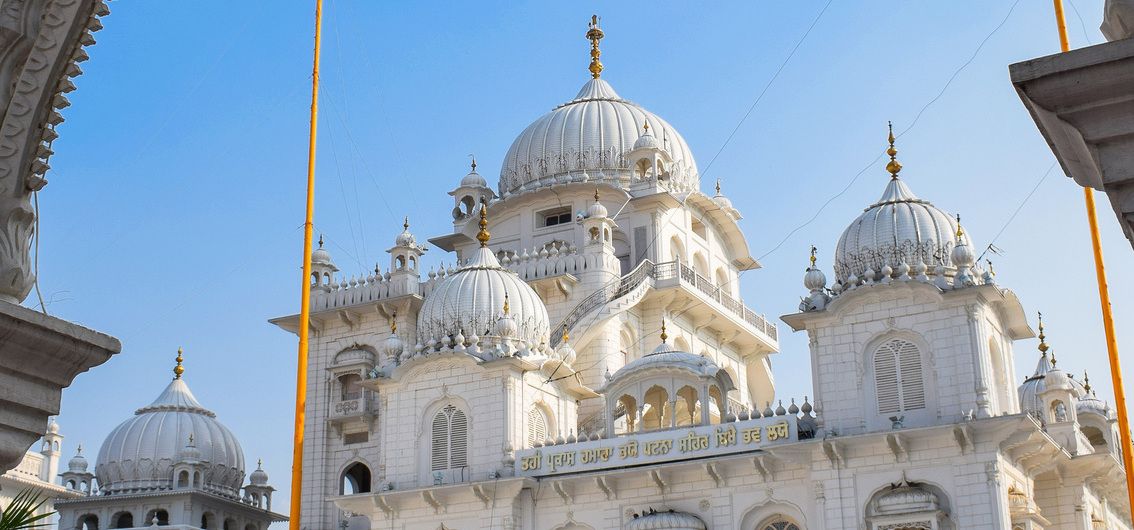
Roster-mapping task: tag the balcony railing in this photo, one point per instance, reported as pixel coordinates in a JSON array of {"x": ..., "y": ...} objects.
[{"x": 350, "y": 408}]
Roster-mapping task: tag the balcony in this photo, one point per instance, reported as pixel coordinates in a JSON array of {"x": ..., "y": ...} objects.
[
  {"x": 352, "y": 414},
  {"x": 677, "y": 274}
]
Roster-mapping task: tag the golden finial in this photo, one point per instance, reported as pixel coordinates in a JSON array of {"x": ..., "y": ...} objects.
[
  {"x": 893, "y": 166},
  {"x": 646, "y": 126},
  {"x": 594, "y": 34},
  {"x": 394, "y": 322},
  {"x": 813, "y": 250},
  {"x": 1086, "y": 382},
  {"x": 405, "y": 224},
  {"x": 507, "y": 311},
  {"x": 483, "y": 235},
  {"x": 1042, "y": 345},
  {"x": 178, "y": 370},
  {"x": 960, "y": 230},
  {"x": 663, "y": 335},
  {"x": 596, "y": 194},
  {"x": 565, "y": 336},
  {"x": 1053, "y": 358}
]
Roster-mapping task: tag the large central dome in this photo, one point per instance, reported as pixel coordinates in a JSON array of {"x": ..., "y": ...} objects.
[{"x": 587, "y": 139}]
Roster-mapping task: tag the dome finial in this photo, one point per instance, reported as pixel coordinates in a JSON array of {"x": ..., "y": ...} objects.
[
  {"x": 1086, "y": 382},
  {"x": 483, "y": 235},
  {"x": 663, "y": 335},
  {"x": 259, "y": 463},
  {"x": 394, "y": 322},
  {"x": 894, "y": 167},
  {"x": 1042, "y": 345},
  {"x": 178, "y": 370},
  {"x": 79, "y": 450},
  {"x": 320, "y": 240},
  {"x": 960, "y": 230},
  {"x": 565, "y": 335},
  {"x": 405, "y": 224},
  {"x": 595, "y": 34},
  {"x": 473, "y": 157},
  {"x": 813, "y": 250},
  {"x": 718, "y": 186},
  {"x": 507, "y": 311},
  {"x": 596, "y": 194}
]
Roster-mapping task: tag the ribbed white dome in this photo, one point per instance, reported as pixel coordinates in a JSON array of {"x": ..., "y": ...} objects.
[
  {"x": 898, "y": 228},
  {"x": 590, "y": 133},
  {"x": 471, "y": 301},
  {"x": 139, "y": 454}
]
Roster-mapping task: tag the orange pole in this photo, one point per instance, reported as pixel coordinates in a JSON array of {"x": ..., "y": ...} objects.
[
  {"x": 1104, "y": 301},
  {"x": 305, "y": 292}
]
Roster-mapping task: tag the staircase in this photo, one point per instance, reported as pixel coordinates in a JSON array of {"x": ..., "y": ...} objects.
[{"x": 627, "y": 291}]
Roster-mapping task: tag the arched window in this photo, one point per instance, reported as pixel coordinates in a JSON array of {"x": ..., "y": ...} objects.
[
  {"x": 449, "y": 447},
  {"x": 778, "y": 522},
  {"x": 537, "y": 426},
  {"x": 350, "y": 388},
  {"x": 162, "y": 517},
  {"x": 898, "y": 378},
  {"x": 230, "y": 524},
  {"x": 122, "y": 520},
  {"x": 88, "y": 522},
  {"x": 182, "y": 479},
  {"x": 355, "y": 479},
  {"x": 1094, "y": 435},
  {"x": 208, "y": 520}
]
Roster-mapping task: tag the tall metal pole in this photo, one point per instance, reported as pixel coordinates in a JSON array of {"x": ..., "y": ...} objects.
[
  {"x": 305, "y": 292},
  {"x": 1104, "y": 300}
]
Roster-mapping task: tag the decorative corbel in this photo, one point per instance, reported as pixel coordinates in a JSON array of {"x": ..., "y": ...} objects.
[
  {"x": 608, "y": 486},
  {"x": 833, "y": 451},
  {"x": 350, "y": 318},
  {"x": 387, "y": 509},
  {"x": 963, "y": 434},
  {"x": 659, "y": 480},
  {"x": 897, "y": 443},
  {"x": 478, "y": 491},
  {"x": 563, "y": 491},
  {"x": 431, "y": 499},
  {"x": 714, "y": 473}
]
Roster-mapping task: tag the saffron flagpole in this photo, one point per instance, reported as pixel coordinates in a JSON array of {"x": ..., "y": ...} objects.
[
  {"x": 305, "y": 292},
  {"x": 1104, "y": 300}
]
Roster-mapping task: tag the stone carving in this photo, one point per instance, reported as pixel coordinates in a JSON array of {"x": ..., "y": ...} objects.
[{"x": 42, "y": 43}]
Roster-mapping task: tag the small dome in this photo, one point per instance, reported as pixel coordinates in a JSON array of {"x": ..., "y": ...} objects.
[
  {"x": 405, "y": 239},
  {"x": 472, "y": 300},
  {"x": 139, "y": 454},
  {"x": 53, "y": 427},
  {"x": 320, "y": 256},
  {"x": 667, "y": 520},
  {"x": 596, "y": 210},
  {"x": 591, "y": 133},
  {"x": 721, "y": 200},
  {"x": 259, "y": 477},
  {"x": 898, "y": 228},
  {"x": 473, "y": 179},
  {"x": 647, "y": 140},
  {"x": 814, "y": 279},
  {"x": 1091, "y": 404},
  {"x": 78, "y": 463}
]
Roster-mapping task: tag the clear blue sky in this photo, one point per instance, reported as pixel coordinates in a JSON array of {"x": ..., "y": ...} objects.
[{"x": 176, "y": 199}]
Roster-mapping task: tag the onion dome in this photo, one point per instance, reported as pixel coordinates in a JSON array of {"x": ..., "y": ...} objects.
[
  {"x": 647, "y": 140},
  {"x": 320, "y": 256},
  {"x": 899, "y": 227},
  {"x": 405, "y": 239},
  {"x": 259, "y": 477},
  {"x": 588, "y": 137},
  {"x": 667, "y": 520},
  {"x": 473, "y": 179},
  {"x": 471, "y": 300},
  {"x": 814, "y": 279},
  {"x": 566, "y": 353},
  {"x": 139, "y": 454},
  {"x": 393, "y": 345},
  {"x": 665, "y": 358},
  {"x": 78, "y": 463},
  {"x": 596, "y": 210},
  {"x": 53, "y": 427},
  {"x": 962, "y": 254},
  {"x": 721, "y": 200}
]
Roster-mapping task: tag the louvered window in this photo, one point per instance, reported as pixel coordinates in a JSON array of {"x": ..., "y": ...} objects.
[
  {"x": 899, "y": 383},
  {"x": 537, "y": 426},
  {"x": 449, "y": 448}
]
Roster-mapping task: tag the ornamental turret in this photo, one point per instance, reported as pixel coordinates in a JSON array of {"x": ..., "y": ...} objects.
[
  {"x": 405, "y": 257},
  {"x": 470, "y": 194},
  {"x": 323, "y": 268}
]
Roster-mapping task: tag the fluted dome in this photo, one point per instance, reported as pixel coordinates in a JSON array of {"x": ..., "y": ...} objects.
[
  {"x": 139, "y": 454},
  {"x": 78, "y": 463},
  {"x": 899, "y": 228},
  {"x": 320, "y": 256},
  {"x": 474, "y": 180},
  {"x": 667, "y": 520},
  {"x": 591, "y": 133},
  {"x": 471, "y": 301},
  {"x": 259, "y": 477}
]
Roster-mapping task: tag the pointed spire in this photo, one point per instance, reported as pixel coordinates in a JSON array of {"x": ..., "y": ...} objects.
[
  {"x": 813, "y": 250},
  {"x": 960, "y": 229},
  {"x": 178, "y": 370},
  {"x": 663, "y": 335},
  {"x": 718, "y": 186},
  {"x": 1042, "y": 345},
  {"x": 473, "y": 157},
  {"x": 595, "y": 34},
  {"x": 320, "y": 240},
  {"x": 483, "y": 235},
  {"x": 893, "y": 166},
  {"x": 405, "y": 224},
  {"x": 1086, "y": 382}
]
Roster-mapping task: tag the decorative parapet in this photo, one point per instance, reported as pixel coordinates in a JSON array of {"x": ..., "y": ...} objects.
[{"x": 41, "y": 44}]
